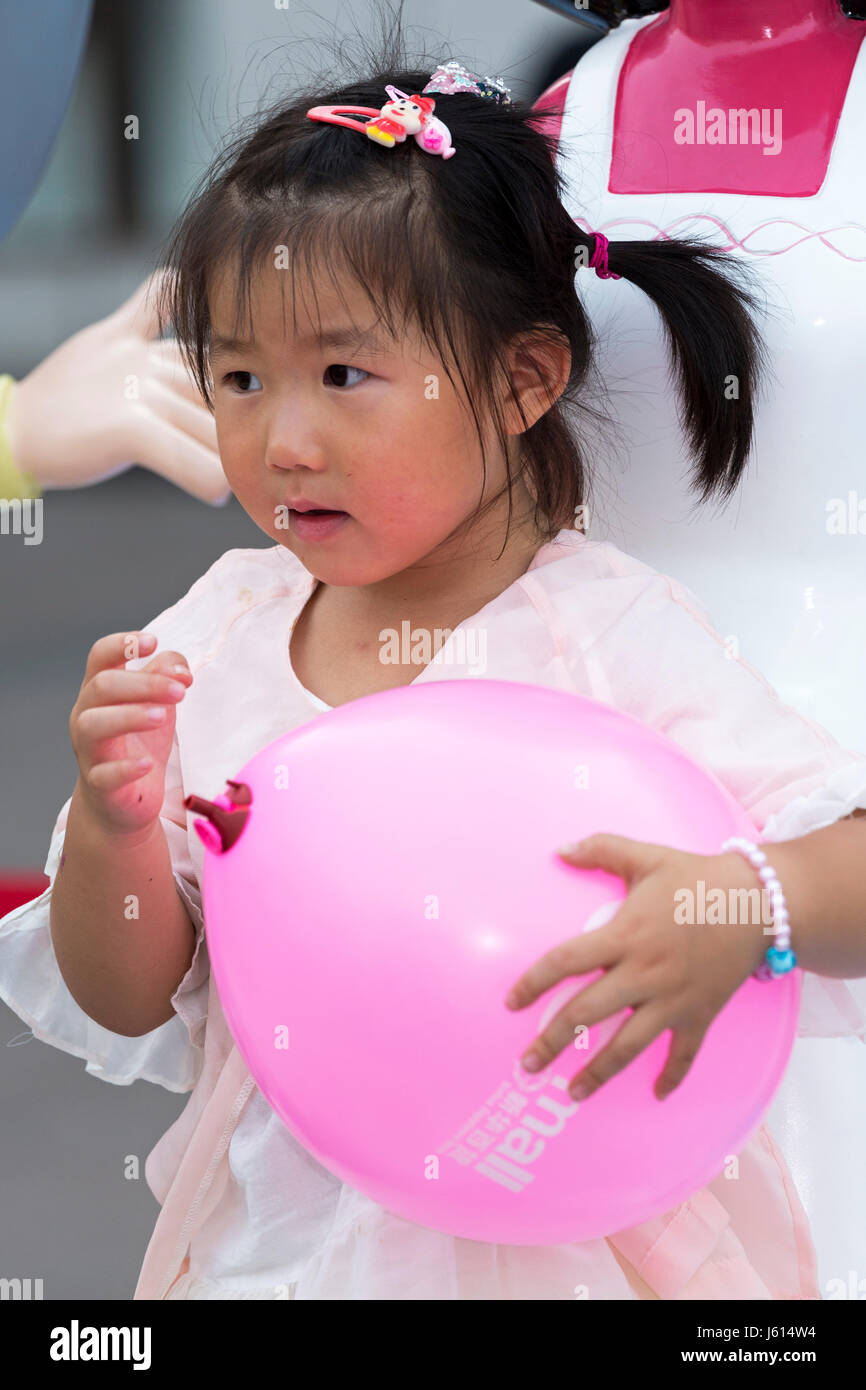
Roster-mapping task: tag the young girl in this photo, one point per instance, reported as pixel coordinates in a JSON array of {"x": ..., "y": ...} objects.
[{"x": 389, "y": 340}]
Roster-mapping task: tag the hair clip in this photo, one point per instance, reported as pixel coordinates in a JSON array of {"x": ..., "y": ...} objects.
[
  {"x": 401, "y": 116},
  {"x": 454, "y": 77}
]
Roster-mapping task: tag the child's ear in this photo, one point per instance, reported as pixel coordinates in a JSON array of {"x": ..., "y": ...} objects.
[{"x": 539, "y": 366}]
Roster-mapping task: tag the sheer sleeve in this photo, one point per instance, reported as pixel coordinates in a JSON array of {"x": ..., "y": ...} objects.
[
  {"x": 33, "y": 987},
  {"x": 829, "y": 1008}
]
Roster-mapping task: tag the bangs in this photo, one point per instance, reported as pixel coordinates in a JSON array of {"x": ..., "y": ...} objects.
[
  {"x": 474, "y": 259},
  {"x": 386, "y": 245}
]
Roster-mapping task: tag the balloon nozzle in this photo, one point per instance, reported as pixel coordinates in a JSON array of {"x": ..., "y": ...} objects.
[{"x": 225, "y": 817}]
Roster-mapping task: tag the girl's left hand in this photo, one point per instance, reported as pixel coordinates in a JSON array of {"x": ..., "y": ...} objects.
[{"x": 672, "y": 975}]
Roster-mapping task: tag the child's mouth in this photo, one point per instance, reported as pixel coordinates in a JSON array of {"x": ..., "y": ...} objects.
[{"x": 315, "y": 525}]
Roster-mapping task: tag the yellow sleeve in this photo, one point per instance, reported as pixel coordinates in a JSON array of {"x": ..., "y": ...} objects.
[{"x": 13, "y": 483}]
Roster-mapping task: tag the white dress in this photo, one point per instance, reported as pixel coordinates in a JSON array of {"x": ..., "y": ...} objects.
[{"x": 585, "y": 618}]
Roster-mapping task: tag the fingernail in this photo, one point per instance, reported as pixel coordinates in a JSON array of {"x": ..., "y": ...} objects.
[
  {"x": 579, "y": 1091},
  {"x": 570, "y": 849},
  {"x": 175, "y": 688},
  {"x": 531, "y": 1062},
  {"x": 511, "y": 1001},
  {"x": 182, "y": 669}
]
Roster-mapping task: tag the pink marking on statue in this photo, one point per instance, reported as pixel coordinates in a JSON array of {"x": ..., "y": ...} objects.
[{"x": 736, "y": 98}]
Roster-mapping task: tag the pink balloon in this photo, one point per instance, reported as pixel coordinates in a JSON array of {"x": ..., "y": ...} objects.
[{"x": 394, "y": 875}]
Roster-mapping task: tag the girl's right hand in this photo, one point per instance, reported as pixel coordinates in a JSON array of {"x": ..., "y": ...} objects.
[{"x": 121, "y": 750}]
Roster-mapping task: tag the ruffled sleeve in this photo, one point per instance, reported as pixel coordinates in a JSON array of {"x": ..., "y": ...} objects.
[
  {"x": 33, "y": 987},
  {"x": 829, "y": 1008},
  {"x": 802, "y": 781}
]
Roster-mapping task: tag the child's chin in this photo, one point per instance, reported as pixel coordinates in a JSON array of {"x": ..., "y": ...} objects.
[{"x": 343, "y": 568}]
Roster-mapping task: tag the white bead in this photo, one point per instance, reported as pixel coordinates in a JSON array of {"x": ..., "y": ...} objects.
[{"x": 781, "y": 930}]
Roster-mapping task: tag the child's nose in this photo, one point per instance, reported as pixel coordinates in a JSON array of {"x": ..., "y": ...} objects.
[{"x": 293, "y": 440}]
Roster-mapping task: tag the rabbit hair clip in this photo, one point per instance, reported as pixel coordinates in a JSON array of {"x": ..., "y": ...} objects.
[{"x": 412, "y": 114}]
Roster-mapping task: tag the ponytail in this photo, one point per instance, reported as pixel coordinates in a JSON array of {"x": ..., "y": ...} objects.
[{"x": 717, "y": 352}]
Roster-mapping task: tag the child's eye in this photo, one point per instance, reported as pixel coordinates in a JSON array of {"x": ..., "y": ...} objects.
[
  {"x": 242, "y": 381},
  {"x": 341, "y": 367}
]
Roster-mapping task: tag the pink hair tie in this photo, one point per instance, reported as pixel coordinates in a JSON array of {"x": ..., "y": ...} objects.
[{"x": 598, "y": 259}]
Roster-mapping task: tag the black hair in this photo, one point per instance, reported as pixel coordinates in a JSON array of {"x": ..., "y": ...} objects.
[{"x": 475, "y": 250}]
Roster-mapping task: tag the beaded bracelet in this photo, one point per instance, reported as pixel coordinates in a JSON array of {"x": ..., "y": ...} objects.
[{"x": 779, "y": 958}]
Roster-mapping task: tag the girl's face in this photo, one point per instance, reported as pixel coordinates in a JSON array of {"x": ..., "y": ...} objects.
[{"x": 372, "y": 428}]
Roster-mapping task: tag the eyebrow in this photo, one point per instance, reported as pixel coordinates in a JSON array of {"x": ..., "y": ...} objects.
[{"x": 370, "y": 339}]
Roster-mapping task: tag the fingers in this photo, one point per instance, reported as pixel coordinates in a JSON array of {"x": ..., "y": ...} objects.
[
  {"x": 636, "y": 1033},
  {"x": 122, "y": 723},
  {"x": 127, "y": 687},
  {"x": 171, "y": 453},
  {"x": 107, "y": 777},
  {"x": 115, "y": 650},
  {"x": 187, "y": 414},
  {"x": 112, "y": 699},
  {"x": 112, "y": 652},
  {"x": 138, "y": 314},
  {"x": 578, "y": 956},
  {"x": 615, "y": 854},
  {"x": 642, "y": 1028},
  {"x": 97, "y": 722},
  {"x": 609, "y": 994},
  {"x": 167, "y": 362},
  {"x": 683, "y": 1050}
]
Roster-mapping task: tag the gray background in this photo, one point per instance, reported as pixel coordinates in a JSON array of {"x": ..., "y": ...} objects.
[{"x": 116, "y": 554}]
